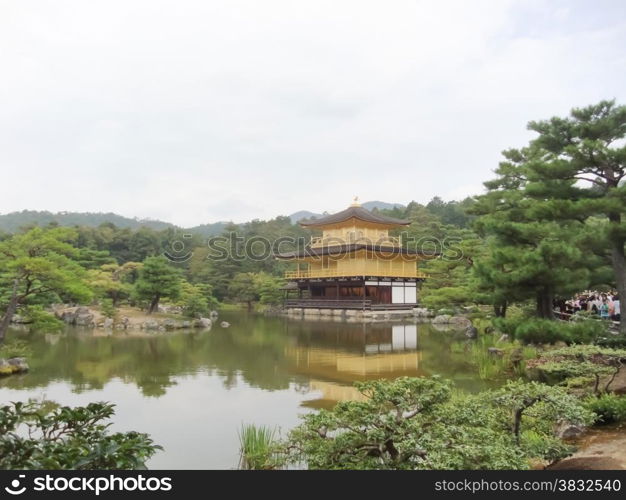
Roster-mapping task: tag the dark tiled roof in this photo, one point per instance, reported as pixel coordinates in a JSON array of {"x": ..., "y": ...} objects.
[
  {"x": 356, "y": 212},
  {"x": 350, "y": 248}
]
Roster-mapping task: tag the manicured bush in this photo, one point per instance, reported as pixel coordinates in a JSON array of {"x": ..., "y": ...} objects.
[
  {"x": 422, "y": 423},
  {"x": 39, "y": 435},
  {"x": 544, "y": 331},
  {"x": 508, "y": 325},
  {"x": 609, "y": 408}
]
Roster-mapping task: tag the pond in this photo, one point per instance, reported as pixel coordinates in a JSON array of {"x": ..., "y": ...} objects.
[{"x": 192, "y": 390}]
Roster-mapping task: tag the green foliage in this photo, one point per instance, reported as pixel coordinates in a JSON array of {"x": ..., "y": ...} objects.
[
  {"x": 196, "y": 306},
  {"x": 269, "y": 289},
  {"x": 15, "y": 349},
  {"x": 41, "y": 262},
  {"x": 581, "y": 365},
  {"x": 509, "y": 324},
  {"x": 543, "y": 404},
  {"x": 157, "y": 279},
  {"x": 41, "y": 320},
  {"x": 108, "y": 309},
  {"x": 419, "y": 423},
  {"x": 242, "y": 288},
  {"x": 505, "y": 359},
  {"x": 609, "y": 408},
  {"x": 257, "y": 447},
  {"x": 542, "y": 331},
  {"x": 38, "y": 268},
  {"x": 33, "y": 436},
  {"x": 556, "y": 208},
  {"x": 112, "y": 281}
]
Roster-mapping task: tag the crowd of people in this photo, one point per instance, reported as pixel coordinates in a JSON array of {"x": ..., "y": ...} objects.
[{"x": 605, "y": 304}]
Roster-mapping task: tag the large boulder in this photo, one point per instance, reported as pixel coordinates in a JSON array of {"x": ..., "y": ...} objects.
[
  {"x": 170, "y": 324},
  {"x": 83, "y": 317},
  {"x": 565, "y": 430},
  {"x": 13, "y": 365},
  {"x": 460, "y": 321},
  {"x": 422, "y": 312},
  {"x": 151, "y": 324},
  {"x": 108, "y": 323},
  {"x": 166, "y": 309},
  {"x": 203, "y": 323},
  {"x": 471, "y": 332},
  {"x": 68, "y": 316},
  {"x": 442, "y": 319}
]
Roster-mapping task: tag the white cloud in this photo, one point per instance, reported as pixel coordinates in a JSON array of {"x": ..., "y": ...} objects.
[{"x": 198, "y": 111}]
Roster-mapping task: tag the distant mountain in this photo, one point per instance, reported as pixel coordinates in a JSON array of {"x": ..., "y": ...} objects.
[
  {"x": 381, "y": 205},
  {"x": 369, "y": 205},
  {"x": 302, "y": 214},
  {"x": 11, "y": 222}
]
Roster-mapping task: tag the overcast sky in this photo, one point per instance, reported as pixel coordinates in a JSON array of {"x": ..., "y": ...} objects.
[{"x": 199, "y": 111}]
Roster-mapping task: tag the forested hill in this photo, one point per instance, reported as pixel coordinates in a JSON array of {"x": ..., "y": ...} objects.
[
  {"x": 13, "y": 221},
  {"x": 448, "y": 212}
]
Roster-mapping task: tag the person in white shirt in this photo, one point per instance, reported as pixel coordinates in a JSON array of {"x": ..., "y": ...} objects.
[{"x": 616, "y": 308}]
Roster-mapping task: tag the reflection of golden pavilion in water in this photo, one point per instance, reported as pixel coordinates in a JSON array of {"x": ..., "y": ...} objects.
[{"x": 374, "y": 351}]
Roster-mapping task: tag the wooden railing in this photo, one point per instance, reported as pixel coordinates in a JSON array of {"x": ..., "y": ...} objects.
[
  {"x": 334, "y": 273},
  {"x": 330, "y": 303},
  {"x": 320, "y": 241}
]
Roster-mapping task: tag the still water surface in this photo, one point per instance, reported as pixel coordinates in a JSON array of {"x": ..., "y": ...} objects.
[{"x": 192, "y": 390}]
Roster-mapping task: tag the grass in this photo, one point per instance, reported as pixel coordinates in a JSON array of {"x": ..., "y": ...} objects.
[
  {"x": 490, "y": 365},
  {"x": 15, "y": 349},
  {"x": 257, "y": 447}
]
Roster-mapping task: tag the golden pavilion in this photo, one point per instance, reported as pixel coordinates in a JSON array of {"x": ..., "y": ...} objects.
[{"x": 354, "y": 264}]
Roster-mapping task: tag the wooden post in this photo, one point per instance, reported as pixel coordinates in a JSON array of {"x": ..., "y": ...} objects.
[{"x": 364, "y": 293}]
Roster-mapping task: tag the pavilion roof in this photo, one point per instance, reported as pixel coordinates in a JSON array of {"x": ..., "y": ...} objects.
[
  {"x": 337, "y": 250},
  {"x": 356, "y": 212}
]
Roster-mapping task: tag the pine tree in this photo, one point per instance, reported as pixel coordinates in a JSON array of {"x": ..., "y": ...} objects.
[{"x": 575, "y": 171}]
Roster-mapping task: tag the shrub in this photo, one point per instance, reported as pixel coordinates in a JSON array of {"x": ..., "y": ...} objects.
[
  {"x": 540, "y": 331},
  {"x": 544, "y": 331},
  {"x": 609, "y": 408},
  {"x": 41, "y": 320},
  {"x": 421, "y": 423},
  {"x": 15, "y": 349},
  {"x": 108, "y": 309},
  {"x": 580, "y": 365},
  {"x": 196, "y": 306},
  {"x": 508, "y": 325},
  {"x": 35, "y": 436}
]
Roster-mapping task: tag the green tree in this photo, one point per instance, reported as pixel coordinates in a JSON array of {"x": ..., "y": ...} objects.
[
  {"x": 269, "y": 288},
  {"x": 196, "y": 300},
  {"x": 38, "y": 436},
  {"x": 243, "y": 288},
  {"x": 38, "y": 266},
  {"x": 528, "y": 258},
  {"x": 157, "y": 280},
  {"x": 574, "y": 170},
  {"x": 450, "y": 280},
  {"x": 112, "y": 281},
  {"x": 419, "y": 423}
]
